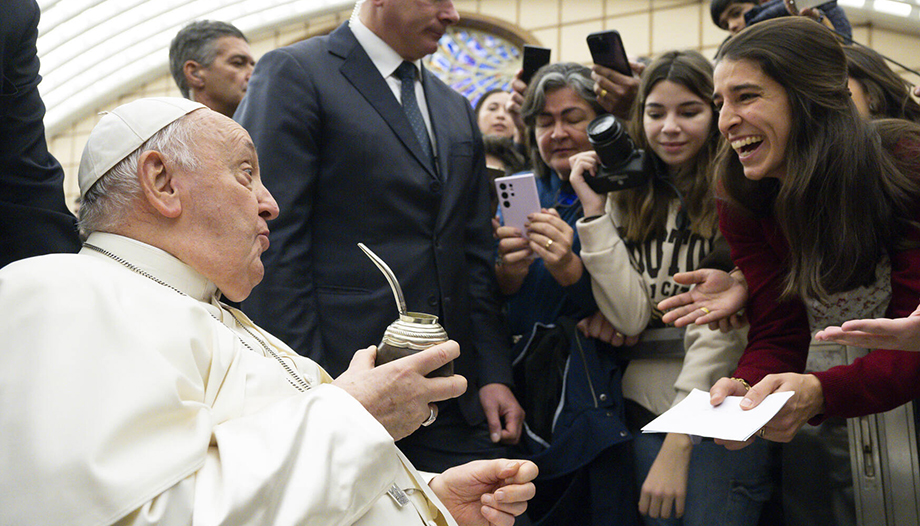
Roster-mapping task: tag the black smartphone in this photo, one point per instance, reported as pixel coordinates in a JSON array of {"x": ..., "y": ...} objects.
[
  {"x": 535, "y": 57},
  {"x": 607, "y": 50}
]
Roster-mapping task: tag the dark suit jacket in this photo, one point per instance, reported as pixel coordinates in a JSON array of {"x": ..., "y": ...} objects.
[
  {"x": 33, "y": 218},
  {"x": 338, "y": 153}
]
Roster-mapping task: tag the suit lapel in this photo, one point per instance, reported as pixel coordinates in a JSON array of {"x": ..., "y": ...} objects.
[{"x": 360, "y": 71}]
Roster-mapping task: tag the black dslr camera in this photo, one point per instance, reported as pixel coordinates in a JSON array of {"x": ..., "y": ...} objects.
[{"x": 622, "y": 165}]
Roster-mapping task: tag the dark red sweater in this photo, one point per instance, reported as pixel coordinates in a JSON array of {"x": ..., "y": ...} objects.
[{"x": 779, "y": 335}]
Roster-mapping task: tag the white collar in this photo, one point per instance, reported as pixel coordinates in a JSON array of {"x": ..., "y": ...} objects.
[
  {"x": 156, "y": 262},
  {"x": 384, "y": 57}
]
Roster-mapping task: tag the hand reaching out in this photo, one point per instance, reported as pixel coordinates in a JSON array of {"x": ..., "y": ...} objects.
[
  {"x": 716, "y": 298},
  {"x": 901, "y": 334},
  {"x": 486, "y": 492}
]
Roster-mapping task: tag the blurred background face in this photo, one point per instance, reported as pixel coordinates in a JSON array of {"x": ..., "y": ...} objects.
[
  {"x": 677, "y": 123},
  {"x": 493, "y": 118},
  {"x": 860, "y": 97},
  {"x": 561, "y": 129},
  {"x": 732, "y": 19}
]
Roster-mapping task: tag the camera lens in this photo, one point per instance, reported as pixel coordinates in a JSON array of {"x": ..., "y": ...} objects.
[
  {"x": 602, "y": 126},
  {"x": 502, "y": 186},
  {"x": 610, "y": 140}
]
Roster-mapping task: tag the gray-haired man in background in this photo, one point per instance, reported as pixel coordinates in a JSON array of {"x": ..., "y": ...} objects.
[{"x": 211, "y": 63}]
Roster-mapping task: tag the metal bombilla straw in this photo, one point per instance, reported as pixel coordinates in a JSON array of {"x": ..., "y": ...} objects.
[
  {"x": 391, "y": 278},
  {"x": 412, "y": 331}
]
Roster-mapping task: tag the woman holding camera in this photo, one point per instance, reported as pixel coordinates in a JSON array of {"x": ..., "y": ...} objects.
[
  {"x": 633, "y": 242},
  {"x": 569, "y": 387}
]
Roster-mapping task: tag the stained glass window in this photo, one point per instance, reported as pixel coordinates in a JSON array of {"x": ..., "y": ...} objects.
[{"x": 473, "y": 61}]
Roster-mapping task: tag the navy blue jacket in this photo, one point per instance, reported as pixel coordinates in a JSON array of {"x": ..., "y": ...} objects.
[{"x": 33, "y": 218}]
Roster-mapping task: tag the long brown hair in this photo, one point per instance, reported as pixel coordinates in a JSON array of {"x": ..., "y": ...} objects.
[
  {"x": 645, "y": 209},
  {"x": 889, "y": 94},
  {"x": 845, "y": 200}
]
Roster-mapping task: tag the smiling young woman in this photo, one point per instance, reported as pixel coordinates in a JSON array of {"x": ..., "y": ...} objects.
[{"x": 828, "y": 230}]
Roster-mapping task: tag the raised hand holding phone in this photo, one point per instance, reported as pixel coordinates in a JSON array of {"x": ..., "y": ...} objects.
[
  {"x": 607, "y": 50},
  {"x": 535, "y": 57}
]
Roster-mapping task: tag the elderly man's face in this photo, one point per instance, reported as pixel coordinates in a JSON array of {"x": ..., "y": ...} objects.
[{"x": 225, "y": 207}]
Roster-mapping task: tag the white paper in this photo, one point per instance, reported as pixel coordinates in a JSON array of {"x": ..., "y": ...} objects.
[{"x": 694, "y": 415}]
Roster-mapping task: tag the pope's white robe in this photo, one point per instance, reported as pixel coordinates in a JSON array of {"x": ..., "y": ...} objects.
[{"x": 123, "y": 401}]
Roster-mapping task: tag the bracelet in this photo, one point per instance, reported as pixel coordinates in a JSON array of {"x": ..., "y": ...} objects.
[{"x": 747, "y": 386}]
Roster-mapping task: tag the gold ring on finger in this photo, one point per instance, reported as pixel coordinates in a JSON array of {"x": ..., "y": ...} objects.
[
  {"x": 549, "y": 244},
  {"x": 762, "y": 430},
  {"x": 704, "y": 309},
  {"x": 603, "y": 93}
]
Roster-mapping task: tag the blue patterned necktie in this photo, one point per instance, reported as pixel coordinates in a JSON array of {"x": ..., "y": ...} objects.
[{"x": 406, "y": 73}]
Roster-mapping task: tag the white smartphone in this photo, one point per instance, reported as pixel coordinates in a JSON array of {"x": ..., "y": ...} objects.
[{"x": 517, "y": 199}]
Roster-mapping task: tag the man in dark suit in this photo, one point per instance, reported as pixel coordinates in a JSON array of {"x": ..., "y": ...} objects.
[
  {"x": 348, "y": 163},
  {"x": 33, "y": 218}
]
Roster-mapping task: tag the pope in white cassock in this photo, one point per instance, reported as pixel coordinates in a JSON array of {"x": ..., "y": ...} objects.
[{"x": 129, "y": 394}]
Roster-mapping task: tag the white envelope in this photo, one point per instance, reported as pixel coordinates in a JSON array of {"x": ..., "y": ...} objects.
[{"x": 695, "y": 416}]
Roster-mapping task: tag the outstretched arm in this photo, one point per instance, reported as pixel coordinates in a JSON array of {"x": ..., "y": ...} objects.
[{"x": 902, "y": 334}]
